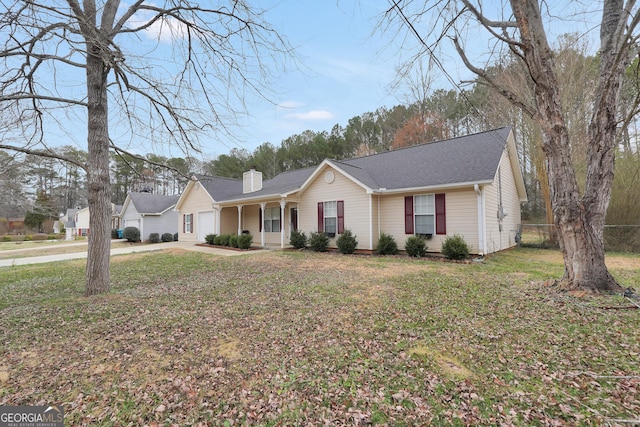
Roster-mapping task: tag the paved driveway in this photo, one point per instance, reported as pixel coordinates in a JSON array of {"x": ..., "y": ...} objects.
[{"x": 82, "y": 252}]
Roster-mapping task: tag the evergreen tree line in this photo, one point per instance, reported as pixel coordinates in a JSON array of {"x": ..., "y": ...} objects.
[{"x": 48, "y": 187}]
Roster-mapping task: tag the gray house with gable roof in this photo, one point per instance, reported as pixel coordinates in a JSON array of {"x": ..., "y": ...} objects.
[
  {"x": 150, "y": 213},
  {"x": 470, "y": 185}
]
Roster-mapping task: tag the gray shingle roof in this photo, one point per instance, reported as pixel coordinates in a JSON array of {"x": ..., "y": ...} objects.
[
  {"x": 220, "y": 188},
  {"x": 471, "y": 158},
  {"x": 148, "y": 203},
  {"x": 466, "y": 159}
]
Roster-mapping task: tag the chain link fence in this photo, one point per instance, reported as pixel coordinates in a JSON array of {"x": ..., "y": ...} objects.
[{"x": 617, "y": 238}]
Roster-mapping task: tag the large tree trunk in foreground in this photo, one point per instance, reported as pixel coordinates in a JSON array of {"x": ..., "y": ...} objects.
[
  {"x": 99, "y": 188},
  {"x": 579, "y": 218}
]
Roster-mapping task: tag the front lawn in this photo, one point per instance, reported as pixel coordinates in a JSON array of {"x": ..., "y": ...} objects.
[{"x": 301, "y": 338}]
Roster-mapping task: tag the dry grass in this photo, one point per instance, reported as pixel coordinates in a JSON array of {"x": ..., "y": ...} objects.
[{"x": 300, "y": 338}]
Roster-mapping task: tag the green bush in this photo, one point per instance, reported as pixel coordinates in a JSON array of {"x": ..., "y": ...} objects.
[
  {"x": 416, "y": 246},
  {"x": 233, "y": 240},
  {"x": 28, "y": 238},
  {"x": 386, "y": 245},
  {"x": 175, "y": 237},
  {"x": 347, "y": 242},
  {"x": 154, "y": 237},
  {"x": 210, "y": 239},
  {"x": 454, "y": 247},
  {"x": 298, "y": 239},
  {"x": 132, "y": 234},
  {"x": 318, "y": 241},
  {"x": 167, "y": 237},
  {"x": 114, "y": 234},
  {"x": 224, "y": 240},
  {"x": 51, "y": 237},
  {"x": 7, "y": 239},
  {"x": 244, "y": 241}
]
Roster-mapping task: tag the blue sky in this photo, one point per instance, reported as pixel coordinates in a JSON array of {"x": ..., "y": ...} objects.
[
  {"x": 346, "y": 67},
  {"x": 346, "y": 70}
]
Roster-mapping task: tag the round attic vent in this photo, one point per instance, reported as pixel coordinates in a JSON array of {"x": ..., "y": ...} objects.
[{"x": 329, "y": 177}]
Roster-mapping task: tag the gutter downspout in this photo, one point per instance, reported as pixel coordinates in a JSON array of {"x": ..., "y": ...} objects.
[{"x": 481, "y": 222}]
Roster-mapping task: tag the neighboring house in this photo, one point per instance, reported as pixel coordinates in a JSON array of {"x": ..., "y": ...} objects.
[
  {"x": 116, "y": 219},
  {"x": 70, "y": 224},
  {"x": 77, "y": 221},
  {"x": 471, "y": 185},
  {"x": 81, "y": 219},
  {"x": 150, "y": 213}
]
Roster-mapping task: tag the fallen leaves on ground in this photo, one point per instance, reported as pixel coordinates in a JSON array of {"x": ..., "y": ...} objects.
[{"x": 318, "y": 340}]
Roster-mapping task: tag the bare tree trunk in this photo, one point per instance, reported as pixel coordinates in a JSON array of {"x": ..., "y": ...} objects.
[
  {"x": 579, "y": 220},
  {"x": 99, "y": 189}
]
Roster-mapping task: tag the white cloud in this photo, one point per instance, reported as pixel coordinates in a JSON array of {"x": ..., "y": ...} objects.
[
  {"x": 164, "y": 30},
  {"x": 311, "y": 115}
]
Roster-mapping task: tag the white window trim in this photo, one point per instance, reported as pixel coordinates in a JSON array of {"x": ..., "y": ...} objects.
[
  {"x": 334, "y": 217},
  {"x": 271, "y": 219},
  {"x": 432, "y": 213}
]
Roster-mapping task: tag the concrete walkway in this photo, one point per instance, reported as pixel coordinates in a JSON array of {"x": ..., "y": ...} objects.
[{"x": 82, "y": 252}]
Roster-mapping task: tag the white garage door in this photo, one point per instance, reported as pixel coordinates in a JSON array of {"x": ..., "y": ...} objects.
[{"x": 205, "y": 224}]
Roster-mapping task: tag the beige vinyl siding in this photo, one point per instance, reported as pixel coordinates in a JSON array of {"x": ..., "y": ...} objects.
[
  {"x": 496, "y": 239},
  {"x": 461, "y": 214},
  {"x": 356, "y": 205},
  {"x": 462, "y": 218},
  {"x": 197, "y": 200},
  {"x": 229, "y": 220},
  {"x": 251, "y": 221}
]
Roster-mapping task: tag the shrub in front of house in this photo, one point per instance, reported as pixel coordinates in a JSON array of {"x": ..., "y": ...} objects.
[
  {"x": 223, "y": 239},
  {"x": 154, "y": 237},
  {"x": 114, "y": 234},
  {"x": 7, "y": 239},
  {"x": 28, "y": 238},
  {"x": 386, "y": 245},
  {"x": 454, "y": 247},
  {"x": 347, "y": 242},
  {"x": 318, "y": 241},
  {"x": 233, "y": 240},
  {"x": 51, "y": 237},
  {"x": 175, "y": 237},
  {"x": 210, "y": 239},
  {"x": 167, "y": 237},
  {"x": 298, "y": 239},
  {"x": 39, "y": 236},
  {"x": 244, "y": 241},
  {"x": 416, "y": 246},
  {"x": 132, "y": 234}
]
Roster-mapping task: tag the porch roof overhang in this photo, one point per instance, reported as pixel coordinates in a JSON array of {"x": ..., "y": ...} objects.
[
  {"x": 431, "y": 188},
  {"x": 263, "y": 198}
]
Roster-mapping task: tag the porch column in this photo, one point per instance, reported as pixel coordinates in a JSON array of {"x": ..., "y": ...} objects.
[
  {"x": 262, "y": 242},
  {"x": 239, "y": 220},
  {"x": 216, "y": 210},
  {"x": 283, "y": 204}
]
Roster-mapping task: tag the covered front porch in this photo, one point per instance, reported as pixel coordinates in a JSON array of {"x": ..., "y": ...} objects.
[{"x": 270, "y": 222}]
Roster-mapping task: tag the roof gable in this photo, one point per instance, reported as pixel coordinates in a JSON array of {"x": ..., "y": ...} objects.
[{"x": 148, "y": 203}]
